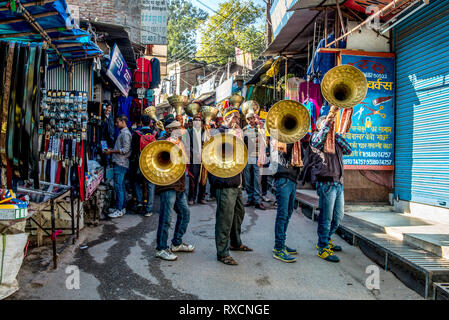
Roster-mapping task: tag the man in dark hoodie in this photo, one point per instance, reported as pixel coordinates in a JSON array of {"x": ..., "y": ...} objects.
[
  {"x": 173, "y": 197},
  {"x": 329, "y": 185},
  {"x": 230, "y": 208}
]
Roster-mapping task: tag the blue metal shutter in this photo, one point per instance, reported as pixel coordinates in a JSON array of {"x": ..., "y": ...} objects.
[{"x": 422, "y": 106}]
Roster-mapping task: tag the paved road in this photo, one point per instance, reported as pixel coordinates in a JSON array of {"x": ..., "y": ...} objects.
[{"x": 119, "y": 264}]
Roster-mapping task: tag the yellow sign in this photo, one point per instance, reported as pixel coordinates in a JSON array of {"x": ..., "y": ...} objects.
[{"x": 263, "y": 115}]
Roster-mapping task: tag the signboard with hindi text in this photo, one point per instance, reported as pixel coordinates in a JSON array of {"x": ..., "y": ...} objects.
[
  {"x": 372, "y": 131},
  {"x": 118, "y": 71},
  {"x": 153, "y": 21}
]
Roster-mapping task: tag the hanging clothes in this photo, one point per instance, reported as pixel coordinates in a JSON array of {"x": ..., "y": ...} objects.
[
  {"x": 142, "y": 76},
  {"x": 124, "y": 107},
  {"x": 156, "y": 73},
  {"x": 313, "y": 109},
  {"x": 308, "y": 89},
  {"x": 292, "y": 89}
]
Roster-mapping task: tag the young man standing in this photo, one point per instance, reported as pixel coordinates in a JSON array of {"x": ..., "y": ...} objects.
[
  {"x": 196, "y": 189},
  {"x": 329, "y": 185},
  {"x": 140, "y": 139},
  {"x": 285, "y": 182},
  {"x": 120, "y": 159},
  {"x": 256, "y": 147},
  {"x": 230, "y": 209},
  {"x": 173, "y": 197}
]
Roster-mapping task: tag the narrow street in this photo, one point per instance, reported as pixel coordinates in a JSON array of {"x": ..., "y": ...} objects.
[{"x": 119, "y": 263}]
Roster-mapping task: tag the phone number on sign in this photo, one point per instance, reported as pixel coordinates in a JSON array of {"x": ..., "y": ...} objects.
[{"x": 368, "y": 162}]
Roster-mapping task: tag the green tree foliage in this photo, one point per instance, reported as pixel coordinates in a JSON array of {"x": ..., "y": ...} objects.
[
  {"x": 182, "y": 24},
  {"x": 235, "y": 25}
]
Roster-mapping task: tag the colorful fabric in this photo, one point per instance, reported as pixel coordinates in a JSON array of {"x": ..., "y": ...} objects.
[
  {"x": 308, "y": 89},
  {"x": 292, "y": 89},
  {"x": 142, "y": 75}
]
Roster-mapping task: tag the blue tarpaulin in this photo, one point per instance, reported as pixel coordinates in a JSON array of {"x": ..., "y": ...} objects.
[{"x": 54, "y": 17}]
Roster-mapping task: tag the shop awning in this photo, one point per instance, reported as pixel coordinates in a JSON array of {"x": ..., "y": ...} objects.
[
  {"x": 295, "y": 35},
  {"x": 307, "y": 4},
  {"x": 47, "y": 21}
]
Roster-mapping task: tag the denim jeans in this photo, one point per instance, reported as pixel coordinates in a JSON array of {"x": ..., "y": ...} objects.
[
  {"x": 119, "y": 186},
  {"x": 252, "y": 183},
  {"x": 150, "y": 192},
  {"x": 172, "y": 200},
  {"x": 332, "y": 205},
  {"x": 285, "y": 197}
]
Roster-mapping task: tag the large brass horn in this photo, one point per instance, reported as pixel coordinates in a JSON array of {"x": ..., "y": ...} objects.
[
  {"x": 224, "y": 155},
  {"x": 192, "y": 109},
  {"x": 250, "y": 106},
  {"x": 151, "y": 111},
  {"x": 162, "y": 162},
  {"x": 236, "y": 100},
  {"x": 344, "y": 86},
  {"x": 291, "y": 120},
  {"x": 178, "y": 102},
  {"x": 209, "y": 113}
]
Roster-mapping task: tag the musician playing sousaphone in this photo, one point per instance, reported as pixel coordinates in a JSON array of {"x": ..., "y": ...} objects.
[{"x": 230, "y": 209}]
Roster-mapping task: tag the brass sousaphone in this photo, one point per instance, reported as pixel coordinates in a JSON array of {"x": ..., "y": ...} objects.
[
  {"x": 209, "y": 113},
  {"x": 151, "y": 111},
  {"x": 162, "y": 162},
  {"x": 344, "y": 86},
  {"x": 224, "y": 155},
  {"x": 236, "y": 100},
  {"x": 291, "y": 120},
  {"x": 250, "y": 106},
  {"x": 192, "y": 109},
  {"x": 178, "y": 102}
]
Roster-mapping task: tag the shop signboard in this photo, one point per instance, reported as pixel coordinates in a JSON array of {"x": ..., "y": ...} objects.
[
  {"x": 118, "y": 71},
  {"x": 224, "y": 91},
  {"x": 372, "y": 131},
  {"x": 153, "y": 21}
]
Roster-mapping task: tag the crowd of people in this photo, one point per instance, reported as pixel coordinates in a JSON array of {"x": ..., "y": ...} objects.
[{"x": 313, "y": 162}]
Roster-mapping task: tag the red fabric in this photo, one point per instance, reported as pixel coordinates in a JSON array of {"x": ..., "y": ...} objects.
[
  {"x": 142, "y": 75},
  {"x": 81, "y": 169}
]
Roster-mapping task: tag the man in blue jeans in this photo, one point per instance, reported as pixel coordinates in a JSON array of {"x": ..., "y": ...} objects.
[
  {"x": 173, "y": 197},
  {"x": 329, "y": 185},
  {"x": 255, "y": 146},
  {"x": 285, "y": 183},
  {"x": 120, "y": 159}
]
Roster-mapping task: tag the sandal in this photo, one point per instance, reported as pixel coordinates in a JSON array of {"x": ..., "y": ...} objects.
[
  {"x": 241, "y": 248},
  {"x": 228, "y": 260}
]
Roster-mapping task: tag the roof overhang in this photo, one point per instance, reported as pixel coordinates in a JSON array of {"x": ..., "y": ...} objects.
[{"x": 308, "y": 4}]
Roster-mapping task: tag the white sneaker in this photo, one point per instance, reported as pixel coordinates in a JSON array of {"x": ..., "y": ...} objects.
[
  {"x": 111, "y": 210},
  {"x": 182, "y": 248},
  {"x": 166, "y": 255},
  {"x": 123, "y": 212},
  {"x": 116, "y": 214},
  {"x": 149, "y": 214}
]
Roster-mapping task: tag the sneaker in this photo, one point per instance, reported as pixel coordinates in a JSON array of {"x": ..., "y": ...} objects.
[
  {"x": 111, "y": 210},
  {"x": 182, "y": 248},
  {"x": 166, "y": 255},
  {"x": 334, "y": 247},
  {"x": 327, "y": 254},
  {"x": 283, "y": 256},
  {"x": 148, "y": 214},
  {"x": 290, "y": 250},
  {"x": 116, "y": 214},
  {"x": 266, "y": 199}
]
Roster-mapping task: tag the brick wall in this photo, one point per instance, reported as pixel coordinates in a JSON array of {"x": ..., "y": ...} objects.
[{"x": 125, "y": 13}]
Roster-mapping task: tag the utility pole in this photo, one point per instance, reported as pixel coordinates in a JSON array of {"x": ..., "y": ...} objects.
[{"x": 269, "y": 27}]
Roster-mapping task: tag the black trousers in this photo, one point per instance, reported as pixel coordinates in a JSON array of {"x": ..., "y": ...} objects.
[{"x": 195, "y": 184}]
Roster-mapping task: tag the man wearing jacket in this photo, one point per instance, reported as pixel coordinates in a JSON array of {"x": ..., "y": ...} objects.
[
  {"x": 285, "y": 182},
  {"x": 230, "y": 210},
  {"x": 196, "y": 189},
  {"x": 173, "y": 197},
  {"x": 329, "y": 186}
]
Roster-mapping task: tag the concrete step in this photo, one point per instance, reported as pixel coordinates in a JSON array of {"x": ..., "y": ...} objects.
[{"x": 430, "y": 236}]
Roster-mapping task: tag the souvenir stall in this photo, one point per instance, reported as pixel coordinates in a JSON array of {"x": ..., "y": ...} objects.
[{"x": 43, "y": 137}]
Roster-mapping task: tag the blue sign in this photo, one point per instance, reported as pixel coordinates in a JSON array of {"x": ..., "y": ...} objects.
[
  {"x": 118, "y": 71},
  {"x": 372, "y": 131}
]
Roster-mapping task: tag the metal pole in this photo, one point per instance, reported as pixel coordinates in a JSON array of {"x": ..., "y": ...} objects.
[{"x": 53, "y": 233}]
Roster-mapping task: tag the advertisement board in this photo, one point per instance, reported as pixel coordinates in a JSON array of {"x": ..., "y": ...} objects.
[
  {"x": 153, "y": 22},
  {"x": 118, "y": 71},
  {"x": 372, "y": 131}
]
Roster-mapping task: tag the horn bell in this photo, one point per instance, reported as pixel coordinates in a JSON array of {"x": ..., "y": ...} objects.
[
  {"x": 344, "y": 86},
  {"x": 224, "y": 155},
  {"x": 178, "y": 102},
  {"x": 209, "y": 113},
  {"x": 236, "y": 100},
  {"x": 250, "y": 106},
  {"x": 151, "y": 111},
  {"x": 291, "y": 120},
  {"x": 192, "y": 109},
  {"x": 162, "y": 162}
]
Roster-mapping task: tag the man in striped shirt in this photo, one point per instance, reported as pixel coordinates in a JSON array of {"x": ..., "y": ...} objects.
[{"x": 329, "y": 185}]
